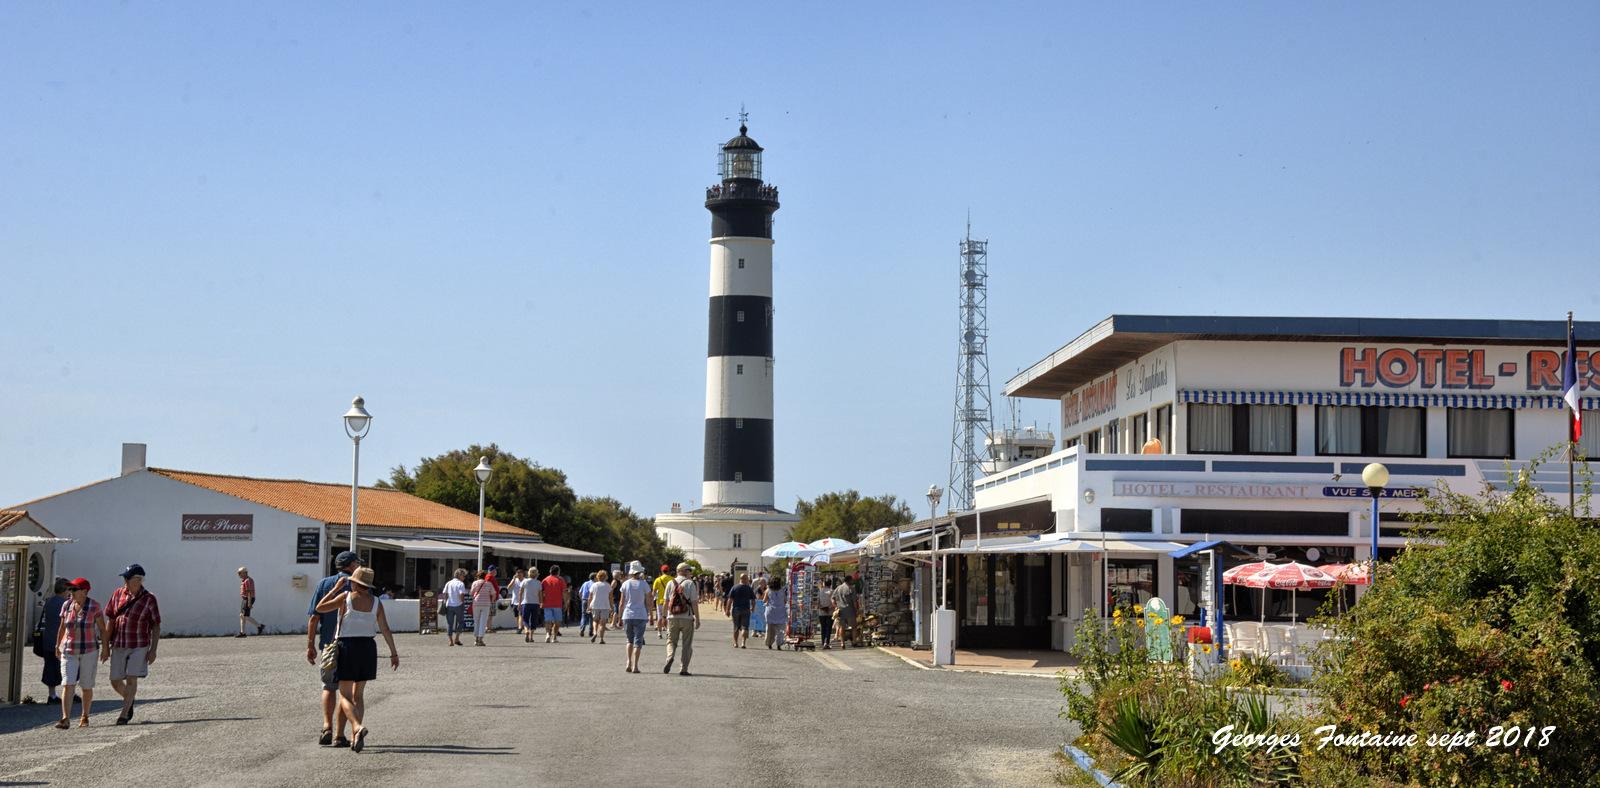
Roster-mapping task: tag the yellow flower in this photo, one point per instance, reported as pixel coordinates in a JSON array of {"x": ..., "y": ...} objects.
[
  {"x": 1116, "y": 613},
  {"x": 1177, "y": 620},
  {"x": 1236, "y": 663},
  {"x": 1138, "y": 608},
  {"x": 1205, "y": 647}
]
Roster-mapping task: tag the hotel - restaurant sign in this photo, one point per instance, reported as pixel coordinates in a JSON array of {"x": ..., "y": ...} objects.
[
  {"x": 218, "y": 526},
  {"x": 1175, "y": 489}
]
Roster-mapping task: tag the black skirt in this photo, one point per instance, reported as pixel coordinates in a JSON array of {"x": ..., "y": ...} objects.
[{"x": 358, "y": 659}]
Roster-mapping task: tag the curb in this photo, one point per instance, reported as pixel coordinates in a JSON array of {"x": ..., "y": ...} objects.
[
  {"x": 1087, "y": 765},
  {"x": 991, "y": 672}
]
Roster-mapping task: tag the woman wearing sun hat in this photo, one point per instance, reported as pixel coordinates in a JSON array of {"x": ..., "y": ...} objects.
[{"x": 361, "y": 619}]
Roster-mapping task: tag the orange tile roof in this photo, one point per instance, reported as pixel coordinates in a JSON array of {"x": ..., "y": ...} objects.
[
  {"x": 330, "y": 503},
  {"x": 9, "y": 517}
]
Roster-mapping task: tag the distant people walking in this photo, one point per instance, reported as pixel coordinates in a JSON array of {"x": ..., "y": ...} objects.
[
  {"x": 741, "y": 600},
  {"x": 44, "y": 647},
  {"x": 777, "y": 612},
  {"x": 82, "y": 638},
  {"x": 825, "y": 611},
  {"x": 844, "y": 604},
  {"x": 553, "y": 596},
  {"x": 683, "y": 617},
  {"x": 455, "y": 606},
  {"x": 134, "y": 620},
  {"x": 659, "y": 588},
  {"x": 514, "y": 590},
  {"x": 247, "y": 601},
  {"x": 637, "y": 608},
  {"x": 724, "y": 585},
  {"x": 484, "y": 597},
  {"x": 495, "y": 584},
  {"x": 585, "y": 623},
  {"x": 599, "y": 607},
  {"x": 322, "y": 631},
  {"x": 361, "y": 619}
]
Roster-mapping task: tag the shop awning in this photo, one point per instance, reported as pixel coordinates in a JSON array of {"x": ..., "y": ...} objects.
[
  {"x": 1403, "y": 399},
  {"x": 1059, "y": 545},
  {"x": 418, "y": 548},
  {"x": 548, "y": 552}
]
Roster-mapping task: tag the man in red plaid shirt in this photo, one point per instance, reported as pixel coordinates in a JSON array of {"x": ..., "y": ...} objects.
[{"x": 135, "y": 621}]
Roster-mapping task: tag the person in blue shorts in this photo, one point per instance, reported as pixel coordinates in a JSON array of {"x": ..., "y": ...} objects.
[{"x": 552, "y": 595}]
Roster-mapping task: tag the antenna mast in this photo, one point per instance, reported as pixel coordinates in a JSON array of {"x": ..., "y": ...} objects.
[{"x": 973, "y": 424}]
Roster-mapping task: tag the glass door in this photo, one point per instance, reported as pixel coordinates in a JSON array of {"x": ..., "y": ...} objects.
[{"x": 10, "y": 623}]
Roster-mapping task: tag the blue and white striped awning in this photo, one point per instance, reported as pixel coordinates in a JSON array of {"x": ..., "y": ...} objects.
[{"x": 1380, "y": 398}]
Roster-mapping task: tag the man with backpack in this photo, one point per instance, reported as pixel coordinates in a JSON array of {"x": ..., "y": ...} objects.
[{"x": 683, "y": 617}]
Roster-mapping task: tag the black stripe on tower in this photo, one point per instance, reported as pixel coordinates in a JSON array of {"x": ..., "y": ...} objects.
[
  {"x": 741, "y": 325},
  {"x": 738, "y": 446},
  {"x": 750, "y": 218}
]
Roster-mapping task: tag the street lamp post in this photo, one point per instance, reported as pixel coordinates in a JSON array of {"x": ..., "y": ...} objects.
[
  {"x": 482, "y": 472},
  {"x": 934, "y": 494},
  {"x": 1376, "y": 477},
  {"x": 356, "y": 423}
]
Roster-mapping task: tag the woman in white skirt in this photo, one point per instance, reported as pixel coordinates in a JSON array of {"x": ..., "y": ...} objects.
[
  {"x": 600, "y": 605},
  {"x": 361, "y": 618}
]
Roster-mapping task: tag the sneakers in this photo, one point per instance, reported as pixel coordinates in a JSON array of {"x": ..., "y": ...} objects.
[
  {"x": 261, "y": 629},
  {"x": 240, "y": 635}
]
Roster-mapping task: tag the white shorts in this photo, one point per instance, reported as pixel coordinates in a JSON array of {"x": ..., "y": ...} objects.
[
  {"x": 129, "y": 663},
  {"x": 79, "y": 669}
]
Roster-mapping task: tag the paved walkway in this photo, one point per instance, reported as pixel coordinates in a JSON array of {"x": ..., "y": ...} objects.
[
  {"x": 224, "y": 711},
  {"x": 1005, "y": 661}
]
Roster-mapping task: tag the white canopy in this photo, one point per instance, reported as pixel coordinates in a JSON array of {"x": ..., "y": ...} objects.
[{"x": 548, "y": 552}]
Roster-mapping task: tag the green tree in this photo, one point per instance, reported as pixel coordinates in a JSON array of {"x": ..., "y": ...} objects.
[
  {"x": 847, "y": 515},
  {"x": 524, "y": 494}
]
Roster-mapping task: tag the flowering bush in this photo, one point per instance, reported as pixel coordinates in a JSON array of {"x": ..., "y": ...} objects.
[{"x": 1494, "y": 622}]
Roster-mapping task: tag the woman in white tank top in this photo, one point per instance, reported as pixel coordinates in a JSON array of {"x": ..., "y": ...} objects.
[{"x": 361, "y": 619}]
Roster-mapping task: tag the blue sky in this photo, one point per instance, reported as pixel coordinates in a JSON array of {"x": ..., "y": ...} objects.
[{"x": 217, "y": 224}]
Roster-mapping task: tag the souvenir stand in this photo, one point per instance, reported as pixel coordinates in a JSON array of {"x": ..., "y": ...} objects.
[{"x": 801, "y": 603}]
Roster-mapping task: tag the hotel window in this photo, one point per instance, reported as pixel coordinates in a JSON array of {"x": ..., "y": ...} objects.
[
  {"x": 1589, "y": 442},
  {"x": 1139, "y": 426},
  {"x": 738, "y": 369},
  {"x": 1113, "y": 432},
  {"x": 1241, "y": 429},
  {"x": 738, "y": 540},
  {"x": 1483, "y": 433},
  {"x": 1371, "y": 431},
  {"x": 1073, "y": 441},
  {"x": 1091, "y": 442},
  {"x": 1164, "y": 428}
]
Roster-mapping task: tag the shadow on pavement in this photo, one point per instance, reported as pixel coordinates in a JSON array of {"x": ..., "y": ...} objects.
[
  {"x": 37, "y": 715},
  {"x": 197, "y": 719},
  {"x": 741, "y": 678},
  {"x": 441, "y": 749}
]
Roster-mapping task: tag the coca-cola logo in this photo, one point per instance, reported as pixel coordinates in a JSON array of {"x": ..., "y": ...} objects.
[{"x": 218, "y": 526}]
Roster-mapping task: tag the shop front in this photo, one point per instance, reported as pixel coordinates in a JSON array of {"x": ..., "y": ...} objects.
[{"x": 1003, "y": 599}]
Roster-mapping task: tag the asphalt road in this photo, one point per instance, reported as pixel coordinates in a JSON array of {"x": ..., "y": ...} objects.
[{"x": 224, "y": 711}]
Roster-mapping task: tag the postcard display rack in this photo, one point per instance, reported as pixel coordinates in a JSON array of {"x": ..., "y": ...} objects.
[
  {"x": 883, "y": 591},
  {"x": 801, "y": 605}
]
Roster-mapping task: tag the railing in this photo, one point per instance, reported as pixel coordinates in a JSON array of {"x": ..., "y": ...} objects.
[{"x": 740, "y": 192}]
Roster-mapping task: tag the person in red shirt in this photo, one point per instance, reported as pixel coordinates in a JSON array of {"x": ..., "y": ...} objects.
[
  {"x": 82, "y": 633},
  {"x": 134, "y": 619},
  {"x": 552, "y": 596},
  {"x": 247, "y": 600}
]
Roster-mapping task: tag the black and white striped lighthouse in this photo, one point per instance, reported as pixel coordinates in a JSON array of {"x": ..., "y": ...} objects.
[{"x": 738, "y": 457}]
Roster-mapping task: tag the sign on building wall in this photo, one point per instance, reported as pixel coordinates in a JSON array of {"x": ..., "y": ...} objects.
[
  {"x": 1132, "y": 388},
  {"x": 1377, "y": 367},
  {"x": 218, "y": 526},
  {"x": 1187, "y": 489},
  {"x": 308, "y": 546}
]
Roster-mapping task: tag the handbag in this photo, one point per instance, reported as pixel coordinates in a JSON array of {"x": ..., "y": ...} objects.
[
  {"x": 37, "y": 639},
  {"x": 328, "y": 659}
]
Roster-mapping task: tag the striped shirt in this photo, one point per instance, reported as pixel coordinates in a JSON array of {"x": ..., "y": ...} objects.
[{"x": 81, "y": 624}]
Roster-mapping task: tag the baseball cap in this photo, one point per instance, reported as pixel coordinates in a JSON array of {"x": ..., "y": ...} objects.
[
  {"x": 344, "y": 558},
  {"x": 684, "y": 567},
  {"x": 133, "y": 569},
  {"x": 666, "y": 568},
  {"x": 80, "y": 584}
]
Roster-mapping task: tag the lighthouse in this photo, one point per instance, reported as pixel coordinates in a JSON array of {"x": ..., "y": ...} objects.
[
  {"x": 737, "y": 518},
  {"x": 738, "y": 449}
]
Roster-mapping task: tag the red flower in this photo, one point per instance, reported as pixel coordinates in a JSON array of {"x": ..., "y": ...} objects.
[
  {"x": 1505, "y": 685},
  {"x": 1425, "y": 687},
  {"x": 1404, "y": 701}
]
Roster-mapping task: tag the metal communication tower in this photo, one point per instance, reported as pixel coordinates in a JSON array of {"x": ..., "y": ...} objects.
[{"x": 974, "y": 422}]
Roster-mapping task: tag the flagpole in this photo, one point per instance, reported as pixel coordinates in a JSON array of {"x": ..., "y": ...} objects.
[{"x": 1572, "y": 440}]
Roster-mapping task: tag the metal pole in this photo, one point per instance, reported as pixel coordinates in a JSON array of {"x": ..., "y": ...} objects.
[
  {"x": 1572, "y": 442},
  {"x": 480, "y": 526},
  {"x": 355, "y": 491},
  {"x": 1376, "y": 492}
]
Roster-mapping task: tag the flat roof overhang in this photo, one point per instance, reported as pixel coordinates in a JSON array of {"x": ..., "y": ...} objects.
[{"x": 1122, "y": 339}]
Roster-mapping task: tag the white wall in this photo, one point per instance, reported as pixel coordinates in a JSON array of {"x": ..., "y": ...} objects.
[
  {"x": 137, "y": 519},
  {"x": 711, "y": 541}
]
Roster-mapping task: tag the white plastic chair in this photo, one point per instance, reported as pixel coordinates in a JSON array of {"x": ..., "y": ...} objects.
[
  {"x": 1244, "y": 637},
  {"x": 1277, "y": 644}
]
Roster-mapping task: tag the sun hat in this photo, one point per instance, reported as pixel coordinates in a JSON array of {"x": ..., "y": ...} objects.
[
  {"x": 133, "y": 569},
  {"x": 80, "y": 584},
  {"x": 684, "y": 567},
  {"x": 362, "y": 576},
  {"x": 636, "y": 568}
]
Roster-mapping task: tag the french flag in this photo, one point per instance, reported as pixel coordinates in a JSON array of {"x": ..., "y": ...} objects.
[{"x": 1569, "y": 385}]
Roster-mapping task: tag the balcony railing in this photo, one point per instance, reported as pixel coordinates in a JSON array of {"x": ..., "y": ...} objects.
[{"x": 735, "y": 191}]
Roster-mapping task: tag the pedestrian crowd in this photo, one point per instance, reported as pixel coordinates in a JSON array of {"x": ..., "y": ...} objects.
[{"x": 76, "y": 634}]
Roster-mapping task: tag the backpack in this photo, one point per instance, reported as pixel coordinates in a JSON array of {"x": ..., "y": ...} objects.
[{"x": 679, "y": 603}]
